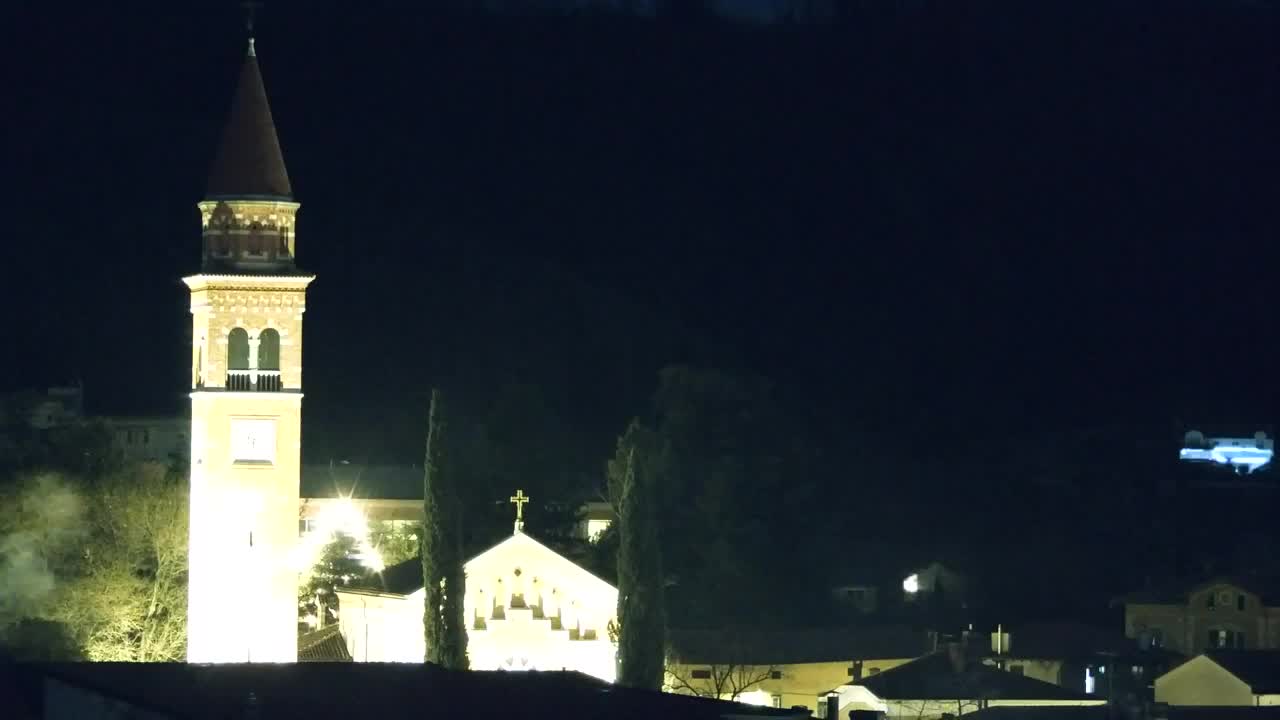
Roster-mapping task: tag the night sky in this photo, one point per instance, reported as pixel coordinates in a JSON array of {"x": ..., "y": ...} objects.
[{"x": 927, "y": 219}]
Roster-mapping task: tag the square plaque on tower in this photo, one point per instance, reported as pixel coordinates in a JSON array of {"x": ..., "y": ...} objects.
[{"x": 253, "y": 440}]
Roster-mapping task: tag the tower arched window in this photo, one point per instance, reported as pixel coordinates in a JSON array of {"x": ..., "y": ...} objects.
[
  {"x": 269, "y": 350},
  {"x": 238, "y": 349},
  {"x": 238, "y": 374}
]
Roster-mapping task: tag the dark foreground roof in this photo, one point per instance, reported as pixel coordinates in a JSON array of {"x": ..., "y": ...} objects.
[
  {"x": 1042, "y": 712},
  {"x": 1259, "y": 669},
  {"x": 357, "y": 690},
  {"x": 935, "y": 677},
  {"x": 1102, "y": 712},
  {"x": 753, "y": 646}
]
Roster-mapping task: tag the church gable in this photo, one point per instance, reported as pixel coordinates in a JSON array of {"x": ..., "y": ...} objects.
[
  {"x": 529, "y": 608},
  {"x": 526, "y": 607}
]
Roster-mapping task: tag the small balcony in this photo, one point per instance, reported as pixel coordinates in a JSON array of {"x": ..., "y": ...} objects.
[{"x": 254, "y": 381}]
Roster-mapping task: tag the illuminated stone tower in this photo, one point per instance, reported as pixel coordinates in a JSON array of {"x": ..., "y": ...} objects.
[{"x": 246, "y": 399}]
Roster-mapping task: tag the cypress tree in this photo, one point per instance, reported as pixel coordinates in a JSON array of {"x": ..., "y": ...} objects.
[
  {"x": 444, "y": 582},
  {"x": 641, "y": 610}
]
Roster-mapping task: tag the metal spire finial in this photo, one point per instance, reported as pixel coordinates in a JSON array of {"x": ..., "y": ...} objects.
[{"x": 250, "y": 10}]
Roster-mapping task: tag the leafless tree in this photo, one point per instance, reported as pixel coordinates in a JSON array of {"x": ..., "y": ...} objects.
[{"x": 727, "y": 681}]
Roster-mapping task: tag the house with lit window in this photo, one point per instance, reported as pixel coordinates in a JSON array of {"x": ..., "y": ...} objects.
[
  {"x": 1223, "y": 678},
  {"x": 1077, "y": 656},
  {"x": 1222, "y": 613},
  {"x": 948, "y": 682},
  {"x": 786, "y": 667},
  {"x": 896, "y": 582}
]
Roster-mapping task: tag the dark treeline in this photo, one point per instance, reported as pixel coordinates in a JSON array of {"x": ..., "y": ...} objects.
[{"x": 942, "y": 234}]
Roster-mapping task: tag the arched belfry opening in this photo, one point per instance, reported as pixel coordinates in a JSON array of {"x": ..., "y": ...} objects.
[
  {"x": 268, "y": 374},
  {"x": 238, "y": 360},
  {"x": 269, "y": 350}
]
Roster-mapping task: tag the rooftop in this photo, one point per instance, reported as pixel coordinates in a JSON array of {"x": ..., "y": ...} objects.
[
  {"x": 354, "y": 690},
  {"x": 249, "y": 163},
  {"x": 938, "y": 677},
  {"x": 789, "y": 647},
  {"x": 1259, "y": 669}
]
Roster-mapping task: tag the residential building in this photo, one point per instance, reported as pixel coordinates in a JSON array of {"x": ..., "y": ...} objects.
[
  {"x": 1223, "y": 613},
  {"x": 786, "y": 668},
  {"x": 1223, "y": 677},
  {"x": 151, "y": 439},
  {"x": 1079, "y": 657},
  {"x": 948, "y": 682}
]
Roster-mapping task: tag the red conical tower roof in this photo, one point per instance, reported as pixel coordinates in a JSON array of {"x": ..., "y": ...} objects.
[{"x": 249, "y": 163}]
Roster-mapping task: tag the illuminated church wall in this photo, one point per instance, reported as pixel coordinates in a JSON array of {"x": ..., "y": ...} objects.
[{"x": 527, "y": 608}]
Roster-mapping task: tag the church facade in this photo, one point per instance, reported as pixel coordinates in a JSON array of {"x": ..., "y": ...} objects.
[
  {"x": 247, "y": 303},
  {"x": 527, "y": 608}
]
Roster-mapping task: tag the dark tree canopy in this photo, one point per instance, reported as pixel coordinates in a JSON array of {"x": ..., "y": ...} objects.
[
  {"x": 633, "y": 477},
  {"x": 442, "y": 571}
]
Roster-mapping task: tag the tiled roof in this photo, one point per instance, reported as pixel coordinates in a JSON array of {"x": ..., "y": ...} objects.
[
  {"x": 1259, "y": 669},
  {"x": 249, "y": 162},
  {"x": 935, "y": 677},
  {"x": 786, "y": 647},
  {"x": 318, "y": 691},
  {"x": 323, "y": 645},
  {"x": 1064, "y": 640}
]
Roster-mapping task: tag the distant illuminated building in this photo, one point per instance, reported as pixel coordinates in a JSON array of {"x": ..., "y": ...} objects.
[{"x": 1244, "y": 455}]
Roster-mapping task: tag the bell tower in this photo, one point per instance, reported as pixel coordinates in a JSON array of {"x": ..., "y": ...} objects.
[{"x": 246, "y": 397}]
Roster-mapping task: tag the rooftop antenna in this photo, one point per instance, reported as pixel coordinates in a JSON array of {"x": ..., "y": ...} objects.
[{"x": 250, "y": 11}]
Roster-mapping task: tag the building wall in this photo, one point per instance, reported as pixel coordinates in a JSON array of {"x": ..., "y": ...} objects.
[
  {"x": 931, "y": 709},
  {"x": 800, "y": 683},
  {"x": 158, "y": 439},
  {"x": 1200, "y": 681},
  {"x": 1185, "y": 627},
  {"x": 527, "y": 608}
]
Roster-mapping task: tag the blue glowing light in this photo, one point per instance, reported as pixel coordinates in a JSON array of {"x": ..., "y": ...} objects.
[{"x": 1244, "y": 455}]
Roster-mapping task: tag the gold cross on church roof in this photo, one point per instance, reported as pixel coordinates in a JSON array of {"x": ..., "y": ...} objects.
[{"x": 519, "y": 499}]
